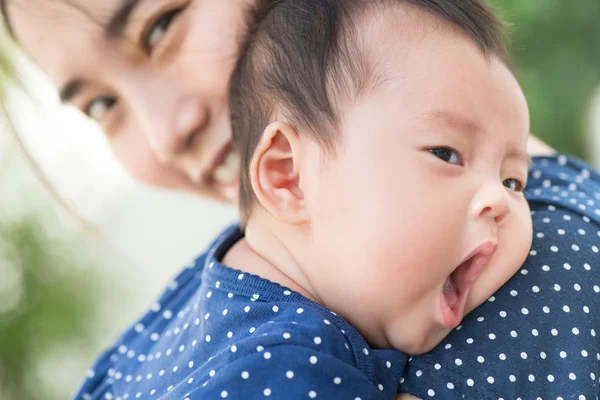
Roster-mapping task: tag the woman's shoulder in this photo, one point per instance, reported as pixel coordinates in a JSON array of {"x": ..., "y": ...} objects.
[
  {"x": 565, "y": 183},
  {"x": 559, "y": 169},
  {"x": 130, "y": 347}
]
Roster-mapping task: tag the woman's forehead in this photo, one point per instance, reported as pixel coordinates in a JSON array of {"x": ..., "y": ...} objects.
[
  {"x": 61, "y": 34},
  {"x": 54, "y": 14}
]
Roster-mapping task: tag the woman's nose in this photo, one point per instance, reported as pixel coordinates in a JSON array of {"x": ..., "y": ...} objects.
[
  {"x": 171, "y": 129},
  {"x": 493, "y": 202}
]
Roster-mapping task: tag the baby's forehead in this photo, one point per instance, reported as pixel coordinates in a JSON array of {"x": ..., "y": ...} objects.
[
  {"x": 436, "y": 76},
  {"x": 437, "y": 64},
  {"x": 396, "y": 33},
  {"x": 400, "y": 20}
]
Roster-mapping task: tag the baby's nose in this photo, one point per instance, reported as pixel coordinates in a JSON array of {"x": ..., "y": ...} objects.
[{"x": 493, "y": 202}]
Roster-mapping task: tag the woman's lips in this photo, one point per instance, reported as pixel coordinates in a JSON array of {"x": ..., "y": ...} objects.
[
  {"x": 229, "y": 170},
  {"x": 457, "y": 285},
  {"x": 226, "y": 174}
]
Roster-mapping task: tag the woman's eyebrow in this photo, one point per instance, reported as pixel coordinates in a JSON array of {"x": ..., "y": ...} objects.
[
  {"x": 114, "y": 28},
  {"x": 70, "y": 90},
  {"x": 119, "y": 20}
]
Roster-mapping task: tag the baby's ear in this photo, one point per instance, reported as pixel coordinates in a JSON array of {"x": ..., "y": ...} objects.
[{"x": 275, "y": 176}]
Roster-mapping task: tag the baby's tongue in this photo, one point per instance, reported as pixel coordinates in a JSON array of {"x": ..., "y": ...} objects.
[{"x": 450, "y": 293}]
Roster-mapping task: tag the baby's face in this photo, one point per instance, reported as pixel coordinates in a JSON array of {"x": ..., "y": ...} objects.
[{"x": 421, "y": 217}]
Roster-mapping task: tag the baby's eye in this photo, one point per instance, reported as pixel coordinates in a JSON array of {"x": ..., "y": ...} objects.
[
  {"x": 158, "y": 29},
  {"x": 446, "y": 154},
  {"x": 99, "y": 107},
  {"x": 514, "y": 185}
]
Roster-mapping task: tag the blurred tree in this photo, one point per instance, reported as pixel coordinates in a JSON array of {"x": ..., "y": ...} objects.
[
  {"x": 555, "y": 45},
  {"x": 46, "y": 285},
  {"x": 45, "y": 303}
]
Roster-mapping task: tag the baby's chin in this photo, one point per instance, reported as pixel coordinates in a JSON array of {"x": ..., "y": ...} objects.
[
  {"x": 425, "y": 335},
  {"x": 417, "y": 337},
  {"x": 421, "y": 344},
  {"x": 439, "y": 332}
]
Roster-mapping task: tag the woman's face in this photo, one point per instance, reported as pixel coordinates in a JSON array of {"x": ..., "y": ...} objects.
[{"x": 153, "y": 73}]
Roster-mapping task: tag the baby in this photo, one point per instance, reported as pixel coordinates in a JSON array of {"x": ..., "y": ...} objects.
[{"x": 384, "y": 159}]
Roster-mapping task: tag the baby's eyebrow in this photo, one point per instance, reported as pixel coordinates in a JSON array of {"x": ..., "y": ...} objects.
[
  {"x": 452, "y": 119},
  {"x": 466, "y": 125},
  {"x": 521, "y": 156}
]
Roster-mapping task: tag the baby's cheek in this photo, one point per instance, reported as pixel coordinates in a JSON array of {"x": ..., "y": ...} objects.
[
  {"x": 523, "y": 234},
  {"x": 514, "y": 244}
]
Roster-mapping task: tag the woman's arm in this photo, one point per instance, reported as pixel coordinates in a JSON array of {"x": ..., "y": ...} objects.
[{"x": 535, "y": 147}]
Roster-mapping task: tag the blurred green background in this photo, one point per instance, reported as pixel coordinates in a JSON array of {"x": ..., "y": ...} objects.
[
  {"x": 555, "y": 46},
  {"x": 46, "y": 297}
]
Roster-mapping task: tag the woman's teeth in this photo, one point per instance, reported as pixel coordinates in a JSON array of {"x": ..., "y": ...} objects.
[{"x": 229, "y": 171}]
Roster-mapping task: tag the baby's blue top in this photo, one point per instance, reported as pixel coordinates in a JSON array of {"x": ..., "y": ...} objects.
[{"x": 219, "y": 333}]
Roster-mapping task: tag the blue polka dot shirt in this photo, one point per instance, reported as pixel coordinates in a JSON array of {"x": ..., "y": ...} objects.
[
  {"x": 537, "y": 337},
  {"x": 219, "y": 333}
]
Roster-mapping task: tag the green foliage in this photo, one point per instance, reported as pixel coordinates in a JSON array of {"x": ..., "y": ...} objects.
[
  {"x": 46, "y": 283},
  {"x": 45, "y": 303},
  {"x": 555, "y": 46}
]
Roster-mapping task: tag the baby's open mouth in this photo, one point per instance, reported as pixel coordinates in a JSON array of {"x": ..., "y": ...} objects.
[{"x": 457, "y": 285}]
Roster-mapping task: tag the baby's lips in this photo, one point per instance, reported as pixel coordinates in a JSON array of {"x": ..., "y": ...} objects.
[
  {"x": 458, "y": 284},
  {"x": 464, "y": 277},
  {"x": 451, "y": 307}
]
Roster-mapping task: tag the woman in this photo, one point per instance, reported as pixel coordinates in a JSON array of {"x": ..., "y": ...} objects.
[
  {"x": 130, "y": 66},
  {"x": 155, "y": 74}
]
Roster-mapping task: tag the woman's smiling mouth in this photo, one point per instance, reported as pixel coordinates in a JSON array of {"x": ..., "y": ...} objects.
[{"x": 225, "y": 172}]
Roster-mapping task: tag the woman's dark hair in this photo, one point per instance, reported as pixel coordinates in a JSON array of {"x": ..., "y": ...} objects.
[
  {"x": 10, "y": 77},
  {"x": 4, "y": 13},
  {"x": 303, "y": 59}
]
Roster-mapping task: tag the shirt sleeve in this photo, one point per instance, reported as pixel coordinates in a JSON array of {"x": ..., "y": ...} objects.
[
  {"x": 564, "y": 182},
  {"x": 290, "y": 372}
]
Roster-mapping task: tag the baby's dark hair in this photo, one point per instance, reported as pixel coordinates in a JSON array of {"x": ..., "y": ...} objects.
[{"x": 303, "y": 60}]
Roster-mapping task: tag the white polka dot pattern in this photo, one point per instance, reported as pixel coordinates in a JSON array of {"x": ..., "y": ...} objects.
[
  {"x": 537, "y": 339},
  {"x": 217, "y": 333}
]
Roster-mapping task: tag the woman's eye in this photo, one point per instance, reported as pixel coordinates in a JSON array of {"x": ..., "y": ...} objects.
[
  {"x": 514, "y": 185},
  {"x": 448, "y": 155},
  {"x": 158, "y": 29},
  {"x": 99, "y": 107}
]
